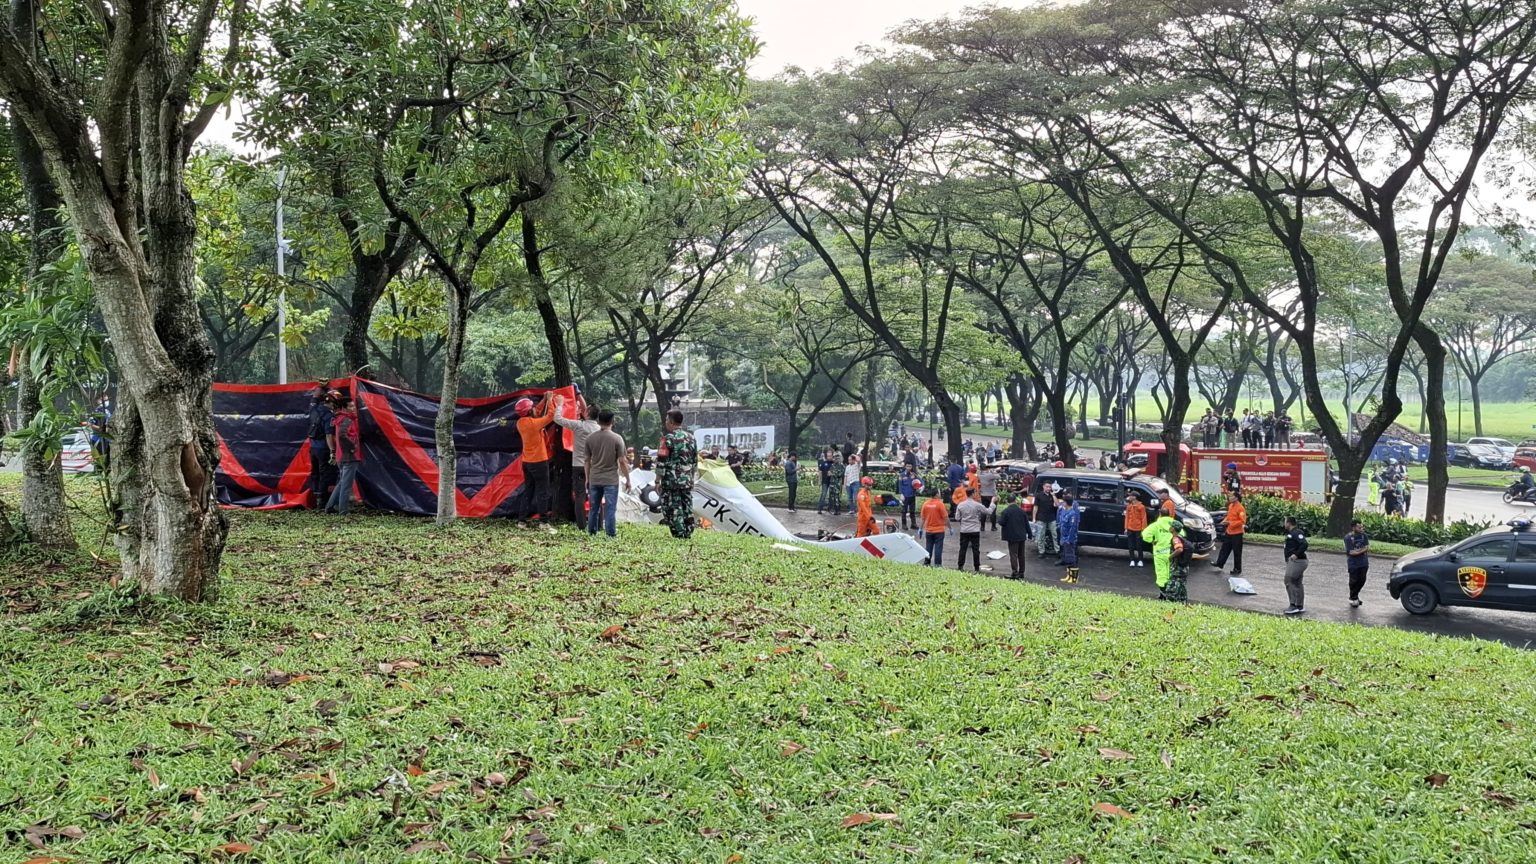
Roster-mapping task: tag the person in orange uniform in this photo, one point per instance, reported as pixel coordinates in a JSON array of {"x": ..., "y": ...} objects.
[
  {"x": 972, "y": 481},
  {"x": 531, "y": 424},
  {"x": 1135, "y": 522},
  {"x": 866, "y": 509},
  {"x": 1165, "y": 504},
  {"x": 1232, "y": 540},
  {"x": 935, "y": 524}
]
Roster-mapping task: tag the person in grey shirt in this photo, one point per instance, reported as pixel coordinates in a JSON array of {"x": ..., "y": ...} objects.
[
  {"x": 582, "y": 426},
  {"x": 986, "y": 487},
  {"x": 604, "y": 460},
  {"x": 971, "y": 514}
]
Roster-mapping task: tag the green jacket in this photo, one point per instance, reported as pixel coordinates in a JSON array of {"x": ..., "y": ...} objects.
[{"x": 1159, "y": 535}]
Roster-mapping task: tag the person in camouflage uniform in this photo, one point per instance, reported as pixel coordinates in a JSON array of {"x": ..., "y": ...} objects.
[{"x": 676, "y": 460}]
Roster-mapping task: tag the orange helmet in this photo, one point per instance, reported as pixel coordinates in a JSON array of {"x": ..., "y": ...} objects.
[{"x": 868, "y": 481}]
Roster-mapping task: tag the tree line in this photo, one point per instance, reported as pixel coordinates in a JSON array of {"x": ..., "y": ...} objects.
[{"x": 1029, "y": 206}]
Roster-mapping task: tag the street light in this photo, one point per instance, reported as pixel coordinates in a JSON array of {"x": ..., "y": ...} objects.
[{"x": 282, "y": 275}]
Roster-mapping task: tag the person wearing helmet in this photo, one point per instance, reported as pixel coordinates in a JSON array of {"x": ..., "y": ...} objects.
[
  {"x": 531, "y": 422},
  {"x": 865, "y": 509},
  {"x": 1527, "y": 482},
  {"x": 1231, "y": 481}
]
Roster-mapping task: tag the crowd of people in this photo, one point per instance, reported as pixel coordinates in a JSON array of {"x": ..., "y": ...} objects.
[{"x": 1270, "y": 430}]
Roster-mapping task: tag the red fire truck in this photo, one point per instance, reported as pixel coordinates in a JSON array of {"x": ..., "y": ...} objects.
[{"x": 1301, "y": 475}]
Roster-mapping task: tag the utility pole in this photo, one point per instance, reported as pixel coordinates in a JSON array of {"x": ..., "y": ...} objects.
[{"x": 282, "y": 277}]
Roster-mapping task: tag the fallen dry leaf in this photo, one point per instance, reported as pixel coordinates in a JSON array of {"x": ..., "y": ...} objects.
[
  {"x": 427, "y": 846},
  {"x": 1022, "y": 817},
  {"x": 233, "y": 849},
  {"x": 1437, "y": 779},
  {"x": 694, "y": 732},
  {"x": 1088, "y": 729},
  {"x": 1114, "y": 755},
  {"x": 856, "y": 819},
  {"x": 1166, "y": 758},
  {"x": 611, "y": 633},
  {"x": 734, "y": 858},
  {"x": 1108, "y": 809},
  {"x": 45, "y": 859},
  {"x": 1503, "y": 799},
  {"x": 415, "y": 770},
  {"x": 789, "y": 748},
  {"x": 1103, "y": 696},
  {"x": 437, "y": 788}
]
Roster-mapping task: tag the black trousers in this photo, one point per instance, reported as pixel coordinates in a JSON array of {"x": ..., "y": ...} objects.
[
  {"x": 971, "y": 540},
  {"x": 794, "y": 493},
  {"x": 1016, "y": 556},
  {"x": 1231, "y": 544},
  {"x": 1136, "y": 546},
  {"x": 1357, "y": 581},
  {"x": 986, "y": 501},
  {"x": 536, "y": 478},
  {"x": 322, "y": 474}
]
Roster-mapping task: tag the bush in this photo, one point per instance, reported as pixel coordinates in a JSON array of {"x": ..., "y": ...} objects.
[{"x": 1267, "y": 514}]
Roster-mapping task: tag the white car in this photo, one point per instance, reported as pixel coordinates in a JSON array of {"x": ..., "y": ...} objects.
[
  {"x": 1506, "y": 449},
  {"x": 76, "y": 453}
]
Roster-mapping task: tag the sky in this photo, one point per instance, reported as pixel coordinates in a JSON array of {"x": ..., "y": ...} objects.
[{"x": 812, "y": 34}]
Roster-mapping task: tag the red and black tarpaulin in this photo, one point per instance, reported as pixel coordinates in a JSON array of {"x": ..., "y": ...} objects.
[{"x": 264, "y": 452}]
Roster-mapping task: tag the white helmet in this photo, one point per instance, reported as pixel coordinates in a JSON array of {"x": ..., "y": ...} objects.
[{"x": 1391, "y": 461}]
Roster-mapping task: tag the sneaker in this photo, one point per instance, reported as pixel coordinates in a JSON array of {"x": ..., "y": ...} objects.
[
  {"x": 1355, "y": 603},
  {"x": 1237, "y": 572},
  {"x": 1214, "y": 564},
  {"x": 1294, "y": 610}
]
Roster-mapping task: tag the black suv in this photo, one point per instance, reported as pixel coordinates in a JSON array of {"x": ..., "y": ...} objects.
[
  {"x": 1101, "y": 494},
  {"x": 1495, "y": 569}
]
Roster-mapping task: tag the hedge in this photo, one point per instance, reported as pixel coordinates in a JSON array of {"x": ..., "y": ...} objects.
[{"x": 1267, "y": 514}]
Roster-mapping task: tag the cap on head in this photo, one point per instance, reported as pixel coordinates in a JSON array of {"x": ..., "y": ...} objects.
[
  {"x": 868, "y": 481},
  {"x": 1232, "y": 465},
  {"x": 522, "y": 407}
]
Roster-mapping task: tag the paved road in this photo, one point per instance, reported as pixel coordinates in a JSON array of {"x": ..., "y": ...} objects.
[{"x": 1327, "y": 594}]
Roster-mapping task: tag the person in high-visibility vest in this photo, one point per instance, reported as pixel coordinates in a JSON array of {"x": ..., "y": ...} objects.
[
  {"x": 865, "y": 503},
  {"x": 1159, "y": 535}
]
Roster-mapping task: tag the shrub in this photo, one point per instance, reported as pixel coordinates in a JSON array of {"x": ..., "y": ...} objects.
[{"x": 1267, "y": 514}]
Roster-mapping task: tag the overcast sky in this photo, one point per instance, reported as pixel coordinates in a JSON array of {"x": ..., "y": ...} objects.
[{"x": 813, "y": 34}]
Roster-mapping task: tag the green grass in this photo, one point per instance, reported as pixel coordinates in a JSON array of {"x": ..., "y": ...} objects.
[
  {"x": 1460, "y": 476},
  {"x": 374, "y": 690}
]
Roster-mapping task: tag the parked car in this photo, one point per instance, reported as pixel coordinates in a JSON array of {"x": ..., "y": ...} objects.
[
  {"x": 1505, "y": 449},
  {"x": 1488, "y": 456},
  {"x": 1525, "y": 457},
  {"x": 1102, "y": 497},
  {"x": 76, "y": 453},
  {"x": 1495, "y": 569}
]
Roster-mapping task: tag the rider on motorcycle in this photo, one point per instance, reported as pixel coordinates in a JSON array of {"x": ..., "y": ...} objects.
[{"x": 1526, "y": 483}]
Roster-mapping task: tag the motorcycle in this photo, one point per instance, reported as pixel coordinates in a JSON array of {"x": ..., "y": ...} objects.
[{"x": 1518, "y": 493}]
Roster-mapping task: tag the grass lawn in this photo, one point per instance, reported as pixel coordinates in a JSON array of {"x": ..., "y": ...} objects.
[
  {"x": 374, "y": 690},
  {"x": 1460, "y": 476}
]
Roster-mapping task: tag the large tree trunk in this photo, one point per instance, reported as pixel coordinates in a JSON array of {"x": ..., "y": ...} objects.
[
  {"x": 1173, "y": 418},
  {"x": 457, "y": 306},
  {"x": 1433, "y": 408},
  {"x": 43, "y": 509}
]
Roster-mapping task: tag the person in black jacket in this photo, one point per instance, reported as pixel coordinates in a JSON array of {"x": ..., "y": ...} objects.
[
  {"x": 1295, "y": 566},
  {"x": 1046, "y": 536},
  {"x": 1015, "y": 531},
  {"x": 322, "y": 470}
]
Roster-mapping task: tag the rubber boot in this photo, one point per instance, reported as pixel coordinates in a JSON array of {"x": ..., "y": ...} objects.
[{"x": 1071, "y": 577}]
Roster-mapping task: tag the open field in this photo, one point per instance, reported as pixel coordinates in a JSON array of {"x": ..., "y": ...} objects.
[{"x": 375, "y": 690}]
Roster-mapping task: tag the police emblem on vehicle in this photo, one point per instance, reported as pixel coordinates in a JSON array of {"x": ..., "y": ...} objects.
[{"x": 1472, "y": 580}]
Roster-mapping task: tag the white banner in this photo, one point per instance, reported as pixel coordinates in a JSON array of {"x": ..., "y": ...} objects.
[{"x": 758, "y": 439}]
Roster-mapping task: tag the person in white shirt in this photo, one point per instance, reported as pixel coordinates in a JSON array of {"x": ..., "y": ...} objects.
[
  {"x": 584, "y": 424},
  {"x": 851, "y": 475}
]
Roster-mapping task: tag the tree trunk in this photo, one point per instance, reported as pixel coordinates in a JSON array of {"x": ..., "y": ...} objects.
[
  {"x": 1474, "y": 384},
  {"x": 1056, "y": 403},
  {"x": 43, "y": 509},
  {"x": 1439, "y": 425},
  {"x": 1173, "y": 419},
  {"x": 456, "y": 305}
]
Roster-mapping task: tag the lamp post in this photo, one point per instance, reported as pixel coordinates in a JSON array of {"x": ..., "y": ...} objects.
[{"x": 283, "y": 286}]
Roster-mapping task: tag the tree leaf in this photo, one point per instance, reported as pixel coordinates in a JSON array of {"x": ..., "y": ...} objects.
[
  {"x": 789, "y": 748},
  {"x": 1106, "y": 809},
  {"x": 1437, "y": 779},
  {"x": 229, "y": 849},
  {"x": 854, "y": 820},
  {"x": 1114, "y": 755},
  {"x": 611, "y": 633}
]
